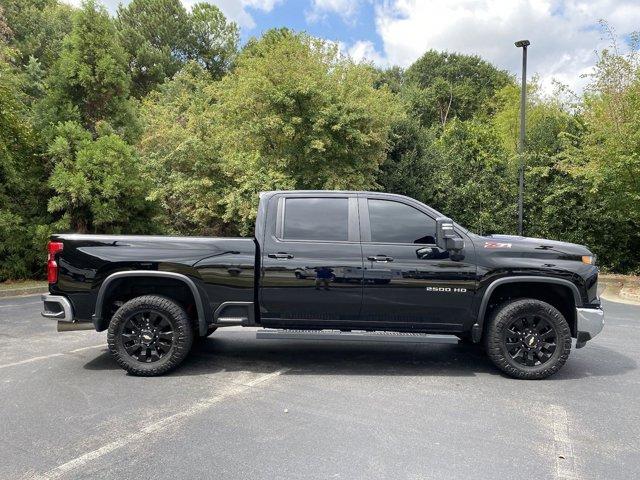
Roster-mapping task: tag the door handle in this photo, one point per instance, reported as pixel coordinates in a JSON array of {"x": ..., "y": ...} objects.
[
  {"x": 380, "y": 258},
  {"x": 287, "y": 256}
]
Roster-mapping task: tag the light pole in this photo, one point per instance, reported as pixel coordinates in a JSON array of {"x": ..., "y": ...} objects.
[{"x": 523, "y": 102}]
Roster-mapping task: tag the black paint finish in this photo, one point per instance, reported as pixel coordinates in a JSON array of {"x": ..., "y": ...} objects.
[{"x": 321, "y": 282}]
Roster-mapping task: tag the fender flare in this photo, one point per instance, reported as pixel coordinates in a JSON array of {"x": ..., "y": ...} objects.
[
  {"x": 97, "y": 319},
  {"x": 477, "y": 328}
]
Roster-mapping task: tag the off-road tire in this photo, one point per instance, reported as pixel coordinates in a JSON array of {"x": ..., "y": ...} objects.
[
  {"x": 496, "y": 337},
  {"x": 182, "y": 337}
]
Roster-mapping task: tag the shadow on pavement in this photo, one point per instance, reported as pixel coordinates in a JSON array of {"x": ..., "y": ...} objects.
[
  {"x": 595, "y": 361},
  {"x": 307, "y": 357}
]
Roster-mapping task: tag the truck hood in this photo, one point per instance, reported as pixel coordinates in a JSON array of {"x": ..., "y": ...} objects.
[{"x": 518, "y": 243}]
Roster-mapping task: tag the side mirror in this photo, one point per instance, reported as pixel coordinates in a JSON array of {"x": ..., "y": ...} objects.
[{"x": 446, "y": 236}]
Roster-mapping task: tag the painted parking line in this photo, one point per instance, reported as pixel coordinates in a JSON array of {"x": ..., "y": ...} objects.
[
  {"x": 46, "y": 357},
  {"x": 154, "y": 428}
]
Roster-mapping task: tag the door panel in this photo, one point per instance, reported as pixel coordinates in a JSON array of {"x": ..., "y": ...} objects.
[
  {"x": 407, "y": 278},
  {"x": 312, "y": 262}
]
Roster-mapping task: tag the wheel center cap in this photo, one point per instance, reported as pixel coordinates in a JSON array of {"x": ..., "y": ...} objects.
[
  {"x": 147, "y": 336},
  {"x": 530, "y": 340}
]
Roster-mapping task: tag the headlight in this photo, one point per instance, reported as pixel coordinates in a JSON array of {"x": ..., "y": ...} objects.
[{"x": 589, "y": 259}]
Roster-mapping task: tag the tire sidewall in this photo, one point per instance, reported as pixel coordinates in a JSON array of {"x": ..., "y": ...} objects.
[
  {"x": 182, "y": 335},
  {"x": 502, "y": 318}
]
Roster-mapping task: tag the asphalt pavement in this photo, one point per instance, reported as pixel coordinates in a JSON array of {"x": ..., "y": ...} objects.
[{"x": 247, "y": 408}]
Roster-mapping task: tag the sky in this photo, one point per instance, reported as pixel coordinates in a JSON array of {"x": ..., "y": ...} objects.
[{"x": 565, "y": 34}]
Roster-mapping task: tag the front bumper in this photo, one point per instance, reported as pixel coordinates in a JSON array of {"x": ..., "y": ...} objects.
[{"x": 590, "y": 322}]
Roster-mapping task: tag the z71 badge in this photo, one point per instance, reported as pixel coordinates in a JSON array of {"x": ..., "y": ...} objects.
[{"x": 496, "y": 245}]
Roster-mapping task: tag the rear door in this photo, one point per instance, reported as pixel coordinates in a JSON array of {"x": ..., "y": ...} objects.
[
  {"x": 407, "y": 278},
  {"x": 311, "y": 261}
]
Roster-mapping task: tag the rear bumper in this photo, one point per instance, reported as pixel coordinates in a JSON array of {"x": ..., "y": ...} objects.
[
  {"x": 57, "y": 307},
  {"x": 590, "y": 322}
]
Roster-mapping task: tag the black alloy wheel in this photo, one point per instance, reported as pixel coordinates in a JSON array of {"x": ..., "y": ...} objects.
[
  {"x": 531, "y": 340},
  {"x": 147, "y": 336}
]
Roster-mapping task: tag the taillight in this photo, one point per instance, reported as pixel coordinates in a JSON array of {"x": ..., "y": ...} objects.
[{"x": 52, "y": 266}]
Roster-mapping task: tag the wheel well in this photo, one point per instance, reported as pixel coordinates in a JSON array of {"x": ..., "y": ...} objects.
[
  {"x": 124, "y": 289},
  {"x": 559, "y": 296}
]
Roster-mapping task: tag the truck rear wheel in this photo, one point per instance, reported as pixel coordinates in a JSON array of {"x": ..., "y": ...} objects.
[
  {"x": 528, "y": 339},
  {"x": 150, "y": 335}
]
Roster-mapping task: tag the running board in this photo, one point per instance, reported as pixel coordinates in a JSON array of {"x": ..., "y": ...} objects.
[
  {"x": 233, "y": 322},
  {"x": 357, "y": 336}
]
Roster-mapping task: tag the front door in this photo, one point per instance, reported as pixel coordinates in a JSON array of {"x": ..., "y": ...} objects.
[
  {"x": 407, "y": 278},
  {"x": 311, "y": 261}
]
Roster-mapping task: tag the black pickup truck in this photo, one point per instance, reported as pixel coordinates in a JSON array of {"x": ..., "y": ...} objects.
[{"x": 329, "y": 260}]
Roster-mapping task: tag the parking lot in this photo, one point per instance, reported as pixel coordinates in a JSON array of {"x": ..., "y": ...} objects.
[{"x": 242, "y": 407}]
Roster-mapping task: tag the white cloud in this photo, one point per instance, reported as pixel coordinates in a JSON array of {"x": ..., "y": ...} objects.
[
  {"x": 346, "y": 9},
  {"x": 563, "y": 34},
  {"x": 365, "y": 51}
]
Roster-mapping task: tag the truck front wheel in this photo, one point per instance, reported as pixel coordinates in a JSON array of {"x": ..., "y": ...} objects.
[
  {"x": 528, "y": 338},
  {"x": 150, "y": 335}
]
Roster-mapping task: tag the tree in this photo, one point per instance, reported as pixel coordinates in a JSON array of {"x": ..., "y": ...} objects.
[
  {"x": 295, "y": 114},
  {"x": 470, "y": 179},
  {"x": 37, "y": 28},
  {"x": 155, "y": 34},
  {"x": 6, "y": 33},
  {"x": 213, "y": 42},
  {"x": 411, "y": 160},
  {"x": 97, "y": 184},
  {"x": 179, "y": 157},
  {"x": 22, "y": 223},
  {"x": 89, "y": 82},
  {"x": 607, "y": 160},
  {"x": 442, "y": 86},
  {"x": 160, "y": 36}
]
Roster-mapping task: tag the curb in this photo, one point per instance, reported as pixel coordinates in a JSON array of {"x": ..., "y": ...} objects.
[
  {"x": 17, "y": 292},
  {"x": 621, "y": 290},
  {"x": 630, "y": 294},
  {"x": 626, "y": 287}
]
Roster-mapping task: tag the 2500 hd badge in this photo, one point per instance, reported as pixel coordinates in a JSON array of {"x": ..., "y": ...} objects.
[{"x": 446, "y": 289}]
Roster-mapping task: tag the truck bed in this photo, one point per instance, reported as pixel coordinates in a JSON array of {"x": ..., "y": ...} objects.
[{"x": 223, "y": 268}]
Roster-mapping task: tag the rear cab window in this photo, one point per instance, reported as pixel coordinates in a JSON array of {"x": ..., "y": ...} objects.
[{"x": 319, "y": 219}]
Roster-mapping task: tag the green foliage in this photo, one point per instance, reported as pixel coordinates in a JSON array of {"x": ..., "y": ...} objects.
[
  {"x": 179, "y": 157},
  {"x": 97, "y": 183},
  {"x": 606, "y": 160},
  {"x": 442, "y": 86},
  {"x": 213, "y": 42},
  {"x": 152, "y": 121},
  {"x": 154, "y": 33},
  {"x": 20, "y": 218},
  {"x": 160, "y": 35},
  {"x": 295, "y": 114},
  {"x": 37, "y": 27},
  {"x": 472, "y": 183},
  {"x": 89, "y": 81}
]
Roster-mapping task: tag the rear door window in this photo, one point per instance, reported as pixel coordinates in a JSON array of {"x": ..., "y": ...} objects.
[{"x": 322, "y": 219}]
